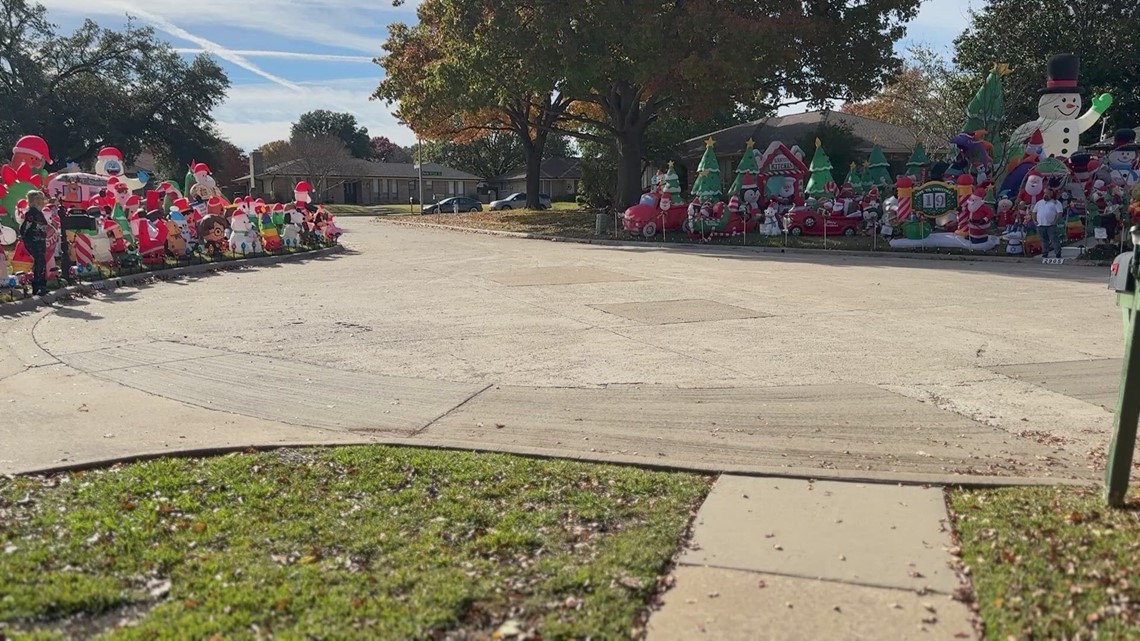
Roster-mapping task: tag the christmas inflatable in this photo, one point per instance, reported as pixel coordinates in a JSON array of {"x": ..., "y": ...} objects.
[{"x": 1059, "y": 109}]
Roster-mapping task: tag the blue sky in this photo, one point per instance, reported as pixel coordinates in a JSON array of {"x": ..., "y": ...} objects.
[{"x": 285, "y": 57}]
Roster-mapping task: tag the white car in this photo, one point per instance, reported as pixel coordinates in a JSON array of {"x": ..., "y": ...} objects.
[{"x": 518, "y": 201}]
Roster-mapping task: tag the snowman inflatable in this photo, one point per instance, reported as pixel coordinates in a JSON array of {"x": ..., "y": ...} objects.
[{"x": 1058, "y": 108}]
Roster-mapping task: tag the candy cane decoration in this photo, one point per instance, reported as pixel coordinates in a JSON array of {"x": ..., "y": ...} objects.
[
  {"x": 964, "y": 188},
  {"x": 904, "y": 187},
  {"x": 84, "y": 251}
]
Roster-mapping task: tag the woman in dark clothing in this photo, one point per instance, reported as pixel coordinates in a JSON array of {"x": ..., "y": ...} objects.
[{"x": 34, "y": 231}]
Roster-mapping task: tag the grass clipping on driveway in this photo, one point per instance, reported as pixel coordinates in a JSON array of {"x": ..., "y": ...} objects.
[
  {"x": 1051, "y": 563},
  {"x": 372, "y": 542}
]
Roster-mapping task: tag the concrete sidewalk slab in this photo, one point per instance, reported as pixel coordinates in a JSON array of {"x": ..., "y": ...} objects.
[
  {"x": 1092, "y": 381},
  {"x": 874, "y": 535},
  {"x": 671, "y": 312},
  {"x": 730, "y": 605},
  {"x": 276, "y": 390},
  {"x": 864, "y": 430}
]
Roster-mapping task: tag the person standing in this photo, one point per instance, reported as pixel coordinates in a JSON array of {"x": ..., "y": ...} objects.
[
  {"x": 1047, "y": 212},
  {"x": 34, "y": 231}
]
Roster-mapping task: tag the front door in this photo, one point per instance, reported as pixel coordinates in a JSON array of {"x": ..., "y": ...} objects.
[{"x": 352, "y": 193}]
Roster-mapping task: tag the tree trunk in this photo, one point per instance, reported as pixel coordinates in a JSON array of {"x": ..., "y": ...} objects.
[
  {"x": 630, "y": 148},
  {"x": 533, "y": 154}
]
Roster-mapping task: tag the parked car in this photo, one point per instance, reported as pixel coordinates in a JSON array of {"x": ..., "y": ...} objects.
[
  {"x": 518, "y": 201},
  {"x": 454, "y": 204}
]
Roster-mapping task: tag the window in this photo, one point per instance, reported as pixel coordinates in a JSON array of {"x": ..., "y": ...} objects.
[
  {"x": 392, "y": 188},
  {"x": 451, "y": 188},
  {"x": 376, "y": 187}
]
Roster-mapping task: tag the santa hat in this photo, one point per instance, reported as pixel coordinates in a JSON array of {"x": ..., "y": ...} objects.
[
  {"x": 110, "y": 152},
  {"x": 278, "y": 207},
  {"x": 200, "y": 168},
  {"x": 215, "y": 201},
  {"x": 302, "y": 187},
  {"x": 1036, "y": 140},
  {"x": 980, "y": 192},
  {"x": 182, "y": 204},
  {"x": 133, "y": 201},
  {"x": 873, "y": 193},
  {"x": 112, "y": 181},
  {"x": 33, "y": 145},
  {"x": 749, "y": 182}
]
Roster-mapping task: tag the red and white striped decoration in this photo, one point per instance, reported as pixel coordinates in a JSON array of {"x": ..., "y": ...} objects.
[{"x": 84, "y": 252}]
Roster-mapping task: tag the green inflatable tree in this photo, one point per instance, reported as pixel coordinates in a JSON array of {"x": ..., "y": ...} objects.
[
  {"x": 854, "y": 178},
  {"x": 708, "y": 186},
  {"x": 820, "y": 180},
  {"x": 673, "y": 184},
  {"x": 878, "y": 169},
  {"x": 747, "y": 166},
  {"x": 917, "y": 164},
  {"x": 987, "y": 109}
]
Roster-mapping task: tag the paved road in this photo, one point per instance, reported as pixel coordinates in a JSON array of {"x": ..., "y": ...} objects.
[{"x": 806, "y": 365}]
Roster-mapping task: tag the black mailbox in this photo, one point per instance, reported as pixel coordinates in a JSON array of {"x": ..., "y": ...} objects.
[
  {"x": 1122, "y": 279},
  {"x": 79, "y": 222}
]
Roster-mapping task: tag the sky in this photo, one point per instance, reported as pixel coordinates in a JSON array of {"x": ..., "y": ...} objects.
[{"x": 286, "y": 57}]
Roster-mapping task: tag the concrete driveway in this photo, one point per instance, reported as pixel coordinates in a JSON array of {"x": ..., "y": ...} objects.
[{"x": 818, "y": 366}]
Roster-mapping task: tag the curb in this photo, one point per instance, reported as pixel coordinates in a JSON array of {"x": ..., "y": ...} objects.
[
  {"x": 741, "y": 249},
  {"x": 108, "y": 284},
  {"x": 886, "y": 478}
]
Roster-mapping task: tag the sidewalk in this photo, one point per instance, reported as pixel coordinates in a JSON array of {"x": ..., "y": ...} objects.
[{"x": 795, "y": 560}]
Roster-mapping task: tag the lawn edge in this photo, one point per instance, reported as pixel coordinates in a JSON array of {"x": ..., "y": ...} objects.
[
  {"x": 886, "y": 478},
  {"x": 606, "y": 242}
]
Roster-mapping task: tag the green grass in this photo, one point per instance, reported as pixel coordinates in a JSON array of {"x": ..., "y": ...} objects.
[
  {"x": 365, "y": 542},
  {"x": 1051, "y": 563},
  {"x": 368, "y": 210},
  {"x": 573, "y": 222}
]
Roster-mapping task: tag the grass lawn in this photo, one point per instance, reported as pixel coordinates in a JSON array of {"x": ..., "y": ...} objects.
[
  {"x": 580, "y": 223},
  {"x": 1051, "y": 563},
  {"x": 368, "y": 210},
  {"x": 365, "y": 542}
]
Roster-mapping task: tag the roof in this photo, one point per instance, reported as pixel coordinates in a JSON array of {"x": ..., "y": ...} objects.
[
  {"x": 552, "y": 169},
  {"x": 358, "y": 168},
  {"x": 789, "y": 129}
]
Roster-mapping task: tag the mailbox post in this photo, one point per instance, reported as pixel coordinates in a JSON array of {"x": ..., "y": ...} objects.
[{"x": 1123, "y": 281}]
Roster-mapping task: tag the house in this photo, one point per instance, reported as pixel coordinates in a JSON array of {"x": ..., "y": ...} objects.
[
  {"x": 361, "y": 182},
  {"x": 559, "y": 178},
  {"x": 896, "y": 142}
]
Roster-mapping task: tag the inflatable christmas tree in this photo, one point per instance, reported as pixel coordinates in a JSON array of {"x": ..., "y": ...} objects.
[
  {"x": 747, "y": 166},
  {"x": 987, "y": 109},
  {"x": 820, "y": 168},
  {"x": 673, "y": 184},
  {"x": 878, "y": 169},
  {"x": 918, "y": 163},
  {"x": 854, "y": 178},
  {"x": 707, "y": 186}
]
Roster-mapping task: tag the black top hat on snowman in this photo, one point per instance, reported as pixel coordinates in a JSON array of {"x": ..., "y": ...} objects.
[
  {"x": 1125, "y": 140},
  {"x": 1064, "y": 68}
]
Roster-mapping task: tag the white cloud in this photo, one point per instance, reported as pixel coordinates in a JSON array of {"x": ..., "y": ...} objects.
[
  {"x": 357, "y": 25},
  {"x": 297, "y": 55},
  {"x": 254, "y": 114}
]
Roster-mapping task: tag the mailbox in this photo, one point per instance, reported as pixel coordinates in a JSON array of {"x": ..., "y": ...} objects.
[{"x": 1122, "y": 279}]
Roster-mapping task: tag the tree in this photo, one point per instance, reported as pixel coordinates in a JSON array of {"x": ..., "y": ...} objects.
[
  {"x": 673, "y": 183},
  {"x": 384, "y": 150},
  {"x": 917, "y": 164},
  {"x": 342, "y": 126},
  {"x": 469, "y": 68},
  {"x": 318, "y": 158},
  {"x": 98, "y": 86},
  {"x": 926, "y": 96},
  {"x": 820, "y": 182},
  {"x": 228, "y": 163},
  {"x": 627, "y": 60},
  {"x": 1027, "y": 32},
  {"x": 708, "y": 186},
  {"x": 276, "y": 152}
]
